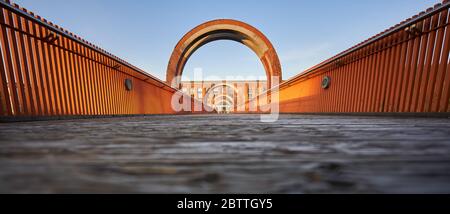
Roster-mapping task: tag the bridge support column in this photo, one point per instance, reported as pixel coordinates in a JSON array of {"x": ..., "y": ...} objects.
[
  {"x": 235, "y": 97},
  {"x": 256, "y": 94},
  {"x": 203, "y": 92},
  {"x": 246, "y": 99}
]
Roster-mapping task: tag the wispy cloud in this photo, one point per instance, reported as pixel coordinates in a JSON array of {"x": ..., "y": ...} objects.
[
  {"x": 307, "y": 53},
  {"x": 297, "y": 60}
]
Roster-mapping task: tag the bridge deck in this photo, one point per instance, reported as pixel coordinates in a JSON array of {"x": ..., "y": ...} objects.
[{"x": 227, "y": 153}]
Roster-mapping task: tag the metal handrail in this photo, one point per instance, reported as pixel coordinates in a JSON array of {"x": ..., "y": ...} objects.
[
  {"x": 423, "y": 15},
  {"x": 15, "y": 8}
]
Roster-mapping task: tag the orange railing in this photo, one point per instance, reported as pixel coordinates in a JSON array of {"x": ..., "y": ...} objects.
[
  {"x": 48, "y": 71},
  {"x": 403, "y": 69}
]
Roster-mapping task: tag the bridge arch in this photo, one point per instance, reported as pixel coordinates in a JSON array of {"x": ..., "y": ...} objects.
[
  {"x": 221, "y": 85},
  {"x": 223, "y": 103},
  {"x": 225, "y": 97},
  {"x": 223, "y": 29}
]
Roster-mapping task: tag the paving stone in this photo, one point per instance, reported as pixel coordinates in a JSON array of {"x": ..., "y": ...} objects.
[{"x": 227, "y": 154}]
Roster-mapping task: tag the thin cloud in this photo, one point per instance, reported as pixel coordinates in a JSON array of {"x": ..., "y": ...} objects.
[
  {"x": 308, "y": 53},
  {"x": 296, "y": 61}
]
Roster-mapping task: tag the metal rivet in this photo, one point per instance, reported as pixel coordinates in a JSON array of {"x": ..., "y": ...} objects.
[
  {"x": 128, "y": 84},
  {"x": 326, "y": 82}
]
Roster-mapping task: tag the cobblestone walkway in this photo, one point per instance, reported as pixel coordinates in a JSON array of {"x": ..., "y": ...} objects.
[{"x": 227, "y": 154}]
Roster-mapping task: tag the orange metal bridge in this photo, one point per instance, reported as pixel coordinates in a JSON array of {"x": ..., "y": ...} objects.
[{"x": 47, "y": 71}]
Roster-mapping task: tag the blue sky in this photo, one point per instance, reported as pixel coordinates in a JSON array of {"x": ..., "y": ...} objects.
[{"x": 304, "y": 33}]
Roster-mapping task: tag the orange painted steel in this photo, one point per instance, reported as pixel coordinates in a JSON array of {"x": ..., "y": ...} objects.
[
  {"x": 48, "y": 71},
  {"x": 403, "y": 69}
]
